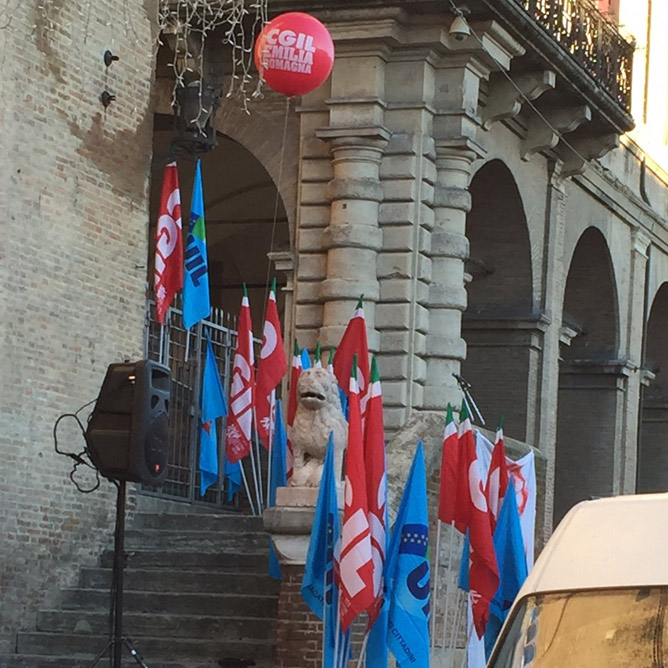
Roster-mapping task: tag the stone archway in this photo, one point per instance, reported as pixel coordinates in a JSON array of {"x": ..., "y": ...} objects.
[
  {"x": 502, "y": 333},
  {"x": 240, "y": 203},
  {"x": 652, "y": 473},
  {"x": 592, "y": 381}
]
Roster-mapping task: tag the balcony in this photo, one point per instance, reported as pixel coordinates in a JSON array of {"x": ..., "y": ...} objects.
[{"x": 592, "y": 40}]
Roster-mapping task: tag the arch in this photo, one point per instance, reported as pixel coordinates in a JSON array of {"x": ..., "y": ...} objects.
[
  {"x": 499, "y": 324},
  {"x": 261, "y": 134},
  {"x": 591, "y": 379},
  {"x": 240, "y": 203},
  {"x": 652, "y": 473},
  {"x": 590, "y": 304}
]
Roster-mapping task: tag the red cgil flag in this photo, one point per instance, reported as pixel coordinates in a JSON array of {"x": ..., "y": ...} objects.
[
  {"x": 242, "y": 393},
  {"x": 168, "y": 243},
  {"x": 497, "y": 477},
  {"x": 447, "y": 498},
  {"x": 270, "y": 369},
  {"x": 356, "y": 561},
  {"x": 354, "y": 342},
  {"x": 484, "y": 572},
  {"x": 376, "y": 485}
]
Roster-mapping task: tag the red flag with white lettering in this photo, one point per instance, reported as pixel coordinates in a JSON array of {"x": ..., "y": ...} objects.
[
  {"x": 270, "y": 369},
  {"x": 356, "y": 565},
  {"x": 497, "y": 477},
  {"x": 242, "y": 392},
  {"x": 484, "y": 572},
  {"x": 168, "y": 278},
  {"x": 354, "y": 342},
  {"x": 448, "y": 498},
  {"x": 376, "y": 483}
]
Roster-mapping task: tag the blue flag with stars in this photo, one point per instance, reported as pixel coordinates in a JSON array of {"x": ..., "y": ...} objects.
[
  {"x": 213, "y": 407},
  {"x": 407, "y": 573},
  {"x": 196, "y": 299}
]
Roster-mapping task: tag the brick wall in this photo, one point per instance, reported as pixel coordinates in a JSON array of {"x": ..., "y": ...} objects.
[{"x": 73, "y": 184}]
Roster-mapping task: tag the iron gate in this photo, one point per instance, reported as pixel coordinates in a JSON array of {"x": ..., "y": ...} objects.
[{"x": 184, "y": 351}]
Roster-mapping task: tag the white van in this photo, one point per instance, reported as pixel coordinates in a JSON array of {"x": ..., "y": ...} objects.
[{"x": 597, "y": 596}]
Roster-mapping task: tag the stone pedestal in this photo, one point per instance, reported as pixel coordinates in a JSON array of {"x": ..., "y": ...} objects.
[{"x": 298, "y": 630}]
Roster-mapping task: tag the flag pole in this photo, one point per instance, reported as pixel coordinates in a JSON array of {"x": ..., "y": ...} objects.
[
  {"x": 437, "y": 567},
  {"x": 256, "y": 443},
  {"x": 255, "y": 481},
  {"x": 324, "y": 619},
  {"x": 468, "y": 638},
  {"x": 455, "y": 626},
  {"x": 448, "y": 585},
  {"x": 270, "y": 431},
  {"x": 363, "y": 650},
  {"x": 243, "y": 477}
]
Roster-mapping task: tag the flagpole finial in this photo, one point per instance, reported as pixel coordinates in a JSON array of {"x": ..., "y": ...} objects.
[
  {"x": 449, "y": 417},
  {"x": 245, "y": 290},
  {"x": 331, "y": 355},
  {"x": 318, "y": 352},
  {"x": 500, "y": 427},
  {"x": 297, "y": 351},
  {"x": 273, "y": 285},
  {"x": 360, "y": 302},
  {"x": 464, "y": 412}
]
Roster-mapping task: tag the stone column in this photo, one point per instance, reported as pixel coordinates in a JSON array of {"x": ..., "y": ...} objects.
[
  {"x": 353, "y": 238},
  {"x": 592, "y": 397},
  {"x": 446, "y": 348}
]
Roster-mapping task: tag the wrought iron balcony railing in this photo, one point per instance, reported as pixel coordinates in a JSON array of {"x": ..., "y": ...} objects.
[{"x": 591, "y": 40}]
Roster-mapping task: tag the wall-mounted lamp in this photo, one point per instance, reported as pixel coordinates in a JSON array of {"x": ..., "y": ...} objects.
[
  {"x": 195, "y": 110},
  {"x": 459, "y": 28}
]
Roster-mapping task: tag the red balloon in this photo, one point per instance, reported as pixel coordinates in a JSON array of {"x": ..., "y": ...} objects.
[{"x": 294, "y": 53}]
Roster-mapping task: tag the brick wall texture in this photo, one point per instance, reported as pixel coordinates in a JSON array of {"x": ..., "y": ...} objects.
[{"x": 73, "y": 185}]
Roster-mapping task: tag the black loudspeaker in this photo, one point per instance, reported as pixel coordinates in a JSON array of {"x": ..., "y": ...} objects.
[{"x": 128, "y": 432}]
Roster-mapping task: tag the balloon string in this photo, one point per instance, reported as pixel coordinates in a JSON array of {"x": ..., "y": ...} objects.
[{"x": 276, "y": 201}]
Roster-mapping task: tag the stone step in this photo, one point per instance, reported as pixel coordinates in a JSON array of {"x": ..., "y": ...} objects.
[
  {"x": 41, "y": 661},
  {"x": 195, "y": 522},
  {"x": 250, "y": 561},
  {"x": 206, "y": 541},
  {"x": 165, "y": 648},
  {"x": 149, "y": 624},
  {"x": 174, "y": 603},
  {"x": 161, "y": 579}
]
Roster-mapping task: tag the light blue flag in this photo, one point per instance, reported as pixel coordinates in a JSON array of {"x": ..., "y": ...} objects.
[
  {"x": 306, "y": 360},
  {"x": 196, "y": 299},
  {"x": 407, "y": 574},
  {"x": 233, "y": 477},
  {"x": 510, "y": 556},
  {"x": 279, "y": 478},
  {"x": 213, "y": 407},
  {"x": 465, "y": 564},
  {"x": 318, "y": 588}
]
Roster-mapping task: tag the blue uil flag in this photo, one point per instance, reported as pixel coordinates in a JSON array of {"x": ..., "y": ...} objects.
[{"x": 407, "y": 575}]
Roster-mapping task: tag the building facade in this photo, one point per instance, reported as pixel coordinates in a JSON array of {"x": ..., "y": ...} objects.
[{"x": 488, "y": 196}]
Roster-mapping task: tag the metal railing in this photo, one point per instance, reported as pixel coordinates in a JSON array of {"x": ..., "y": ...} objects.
[
  {"x": 184, "y": 351},
  {"x": 592, "y": 40}
]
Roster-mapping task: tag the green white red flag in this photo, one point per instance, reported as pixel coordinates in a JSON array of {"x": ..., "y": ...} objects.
[
  {"x": 168, "y": 277},
  {"x": 354, "y": 342},
  {"x": 497, "y": 477},
  {"x": 356, "y": 561},
  {"x": 484, "y": 573},
  {"x": 448, "y": 498},
  {"x": 295, "y": 371},
  {"x": 270, "y": 370},
  {"x": 242, "y": 392},
  {"x": 376, "y": 485}
]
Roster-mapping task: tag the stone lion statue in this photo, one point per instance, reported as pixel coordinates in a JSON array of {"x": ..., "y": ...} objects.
[{"x": 318, "y": 413}]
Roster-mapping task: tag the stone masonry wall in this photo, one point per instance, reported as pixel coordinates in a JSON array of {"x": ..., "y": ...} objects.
[{"x": 73, "y": 194}]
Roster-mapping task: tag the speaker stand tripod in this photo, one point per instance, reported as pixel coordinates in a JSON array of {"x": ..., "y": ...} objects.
[{"x": 117, "y": 642}]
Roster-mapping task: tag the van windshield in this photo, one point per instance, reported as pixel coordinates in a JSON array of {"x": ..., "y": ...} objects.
[{"x": 597, "y": 629}]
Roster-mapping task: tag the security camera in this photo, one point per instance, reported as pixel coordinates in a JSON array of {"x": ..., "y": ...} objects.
[{"x": 459, "y": 28}]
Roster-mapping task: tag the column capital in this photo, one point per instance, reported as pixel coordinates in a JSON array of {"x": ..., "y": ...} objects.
[
  {"x": 368, "y": 136},
  {"x": 461, "y": 148}
]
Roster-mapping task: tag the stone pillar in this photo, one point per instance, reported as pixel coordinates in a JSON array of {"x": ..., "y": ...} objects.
[
  {"x": 449, "y": 249},
  {"x": 592, "y": 397},
  {"x": 511, "y": 343},
  {"x": 353, "y": 238}
]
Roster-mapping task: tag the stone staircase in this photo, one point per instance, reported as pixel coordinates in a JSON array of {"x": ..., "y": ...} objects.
[{"x": 197, "y": 595}]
